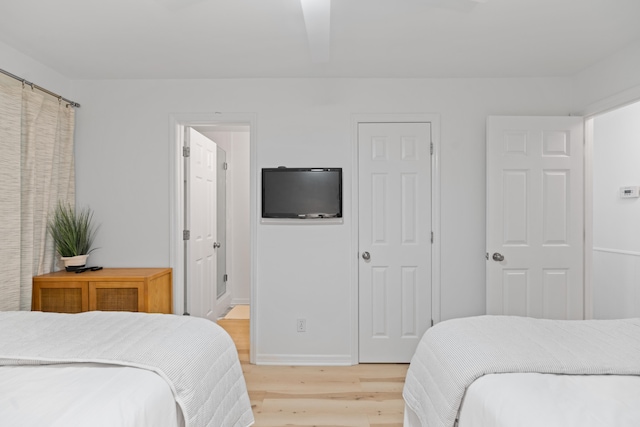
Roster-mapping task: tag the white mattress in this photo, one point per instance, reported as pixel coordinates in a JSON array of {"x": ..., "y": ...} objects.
[
  {"x": 533, "y": 400},
  {"x": 85, "y": 394}
]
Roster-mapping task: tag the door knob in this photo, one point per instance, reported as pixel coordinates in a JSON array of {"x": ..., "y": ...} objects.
[
  {"x": 366, "y": 256},
  {"x": 216, "y": 245},
  {"x": 498, "y": 257}
]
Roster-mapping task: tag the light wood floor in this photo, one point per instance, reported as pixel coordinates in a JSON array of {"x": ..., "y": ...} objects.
[{"x": 334, "y": 396}]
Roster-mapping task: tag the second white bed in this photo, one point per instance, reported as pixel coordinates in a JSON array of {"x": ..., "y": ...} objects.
[
  {"x": 533, "y": 400},
  {"x": 512, "y": 371}
]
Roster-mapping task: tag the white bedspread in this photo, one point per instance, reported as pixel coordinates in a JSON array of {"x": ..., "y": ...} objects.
[
  {"x": 534, "y": 400},
  {"x": 196, "y": 357},
  {"x": 85, "y": 394},
  {"x": 454, "y": 353}
]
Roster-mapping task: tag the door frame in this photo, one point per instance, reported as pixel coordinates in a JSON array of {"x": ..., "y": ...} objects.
[
  {"x": 177, "y": 123},
  {"x": 356, "y": 119},
  {"x": 223, "y": 302},
  {"x": 588, "y": 218}
]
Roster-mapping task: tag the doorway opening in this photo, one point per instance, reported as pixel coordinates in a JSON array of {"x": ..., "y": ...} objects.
[
  {"x": 232, "y": 240},
  {"x": 612, "y": 252},
  {"x": 232, "y": 254}
]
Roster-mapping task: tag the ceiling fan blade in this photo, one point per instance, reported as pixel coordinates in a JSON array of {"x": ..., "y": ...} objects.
[{"x": 317, "y": 21}]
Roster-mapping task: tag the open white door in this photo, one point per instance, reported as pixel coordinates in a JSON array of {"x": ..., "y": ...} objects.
[
  {"x": 535, "y": 217},
  {"x": 202, "y": 225},
  {"x": 394, "y": 239}
]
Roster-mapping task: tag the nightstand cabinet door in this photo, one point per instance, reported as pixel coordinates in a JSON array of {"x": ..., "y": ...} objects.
[
  {"x": 59, "y": 297},
  {"x": 117, "y": 296}
]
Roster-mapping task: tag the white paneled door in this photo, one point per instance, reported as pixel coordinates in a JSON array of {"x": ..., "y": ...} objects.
[
  {"x": 202, "y": 225},
  {"x": 535, "y": 217},
  {"x": 394, "y": 190}
]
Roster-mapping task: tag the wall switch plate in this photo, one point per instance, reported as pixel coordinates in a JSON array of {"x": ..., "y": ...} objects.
[
  {"x": 629, "y": 192},
  {"x": 301, "y": 325}
]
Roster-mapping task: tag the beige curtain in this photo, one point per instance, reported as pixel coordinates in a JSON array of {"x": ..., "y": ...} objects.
[
  {"x": 45, "y": 176},
  {"x": 10, "y": 111}
]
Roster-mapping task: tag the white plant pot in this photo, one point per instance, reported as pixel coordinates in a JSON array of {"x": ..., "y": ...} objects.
[{"x": 75, "y": 261}]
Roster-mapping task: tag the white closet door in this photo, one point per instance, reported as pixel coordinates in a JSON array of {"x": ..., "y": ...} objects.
[{"x": 394, "y": 239}]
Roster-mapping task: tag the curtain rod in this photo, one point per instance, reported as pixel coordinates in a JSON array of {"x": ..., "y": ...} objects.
[{"x": 40, "y": 88}]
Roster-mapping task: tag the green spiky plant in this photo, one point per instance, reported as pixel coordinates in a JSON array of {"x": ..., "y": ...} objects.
[{"x": 73, "y": 232}]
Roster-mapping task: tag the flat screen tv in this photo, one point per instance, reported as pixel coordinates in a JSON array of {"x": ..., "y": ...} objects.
[{"x": 304, "y": 193}]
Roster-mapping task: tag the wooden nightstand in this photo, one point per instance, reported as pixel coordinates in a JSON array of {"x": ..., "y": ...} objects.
[{"x": 110, "y": 289}]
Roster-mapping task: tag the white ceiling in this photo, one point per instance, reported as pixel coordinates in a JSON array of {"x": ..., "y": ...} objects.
[{"x": 109, "y": 39}]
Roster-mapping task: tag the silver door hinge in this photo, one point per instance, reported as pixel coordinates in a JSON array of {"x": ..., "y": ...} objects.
[
  {"x": 225, "y": 166},
  {"x": 487, "y": 256},
  {"x": 186, "y": 151},
  {"x": 431, "y": 145},
  {"x": 186, "y": 235},
  {"x": 432, "y": 237},
  {"x": 225, "y": 278}
]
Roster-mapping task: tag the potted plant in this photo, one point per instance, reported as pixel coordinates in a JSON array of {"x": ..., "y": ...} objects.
[{"x": 73, "y": 234}]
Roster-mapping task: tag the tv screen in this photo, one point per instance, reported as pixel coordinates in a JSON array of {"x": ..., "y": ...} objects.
[{"x": 304, "y": 193}]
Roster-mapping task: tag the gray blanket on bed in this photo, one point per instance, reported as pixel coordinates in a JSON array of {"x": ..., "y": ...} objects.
[
  {"x": 195, "y": 356},
  {"x": 454, "y": 353}
]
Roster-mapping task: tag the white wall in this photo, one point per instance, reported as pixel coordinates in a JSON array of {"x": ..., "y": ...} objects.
[
  {"x": 237, "y": 146},
  {"x": 609, "y": 83},
  {"x": 616, "y": 221},
  {"x": 302, "y": 271},
  {"x": 33, "y": 71}
]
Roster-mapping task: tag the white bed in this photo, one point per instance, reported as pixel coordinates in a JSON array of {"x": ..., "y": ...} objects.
[
  {"x": 119, "y": 369},
  {"x": 533, "y": 400},
  {"x": 499, "y": 371}
]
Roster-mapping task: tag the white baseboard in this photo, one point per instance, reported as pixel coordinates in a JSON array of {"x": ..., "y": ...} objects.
[
  {"x": 240, "y": 301},
  {"x": 304, "y": 359}
]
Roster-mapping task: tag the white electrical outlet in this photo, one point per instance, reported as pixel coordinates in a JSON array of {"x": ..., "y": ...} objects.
[{"x": 301, "y": 325}]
